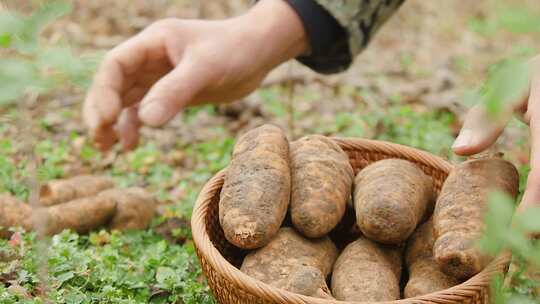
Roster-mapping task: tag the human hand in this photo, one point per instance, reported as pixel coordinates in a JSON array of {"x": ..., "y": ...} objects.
[
  {"x": 480, "y": 131},
  {"x": 175, "y": 63}
]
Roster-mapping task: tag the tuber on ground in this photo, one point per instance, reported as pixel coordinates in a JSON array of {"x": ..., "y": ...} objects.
[
  {"x": 391, "y": 198},
  {"x": 368, "y": 272},
  {"x": 13, "y": 213},
  {"x": 321, "y": 178},
  {"x": 135, "y": 208},
  {"x": 64, "y": 190},
  {"x": 81, "y": 215},
  {"x": 424, "y": 273},
  {"x": 293, "y": 262},
  {"x": 458, "y": 218},
  {"x": 256, "y": 191}
]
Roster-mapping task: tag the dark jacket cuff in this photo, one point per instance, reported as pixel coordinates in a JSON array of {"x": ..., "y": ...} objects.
[{"x": 328, "y": 39}]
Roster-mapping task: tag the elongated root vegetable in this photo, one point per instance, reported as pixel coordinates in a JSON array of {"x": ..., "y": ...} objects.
[
  {"x": 459, "y": 213},
  {"x": 294, "y": 263},
  {"x": 322, "y": 178},
  {"x": 81, "y": 215},
  {"x": 308, "y": 280},
  {"x": 64, "y": 190},
  {"x": 391, "y": 198},
  {"x": 368, "y": 272},
  {"x": 12, "y": 214},
  {"x": 135, "y": 208},
  {"x": 424, "y": 273},
  {"x": 256, "y": 191}
]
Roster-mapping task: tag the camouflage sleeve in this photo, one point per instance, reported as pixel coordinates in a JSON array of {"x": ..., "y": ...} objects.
[
  {"x": 360, "y": 18},
  {"x": 340, "y": 29}
]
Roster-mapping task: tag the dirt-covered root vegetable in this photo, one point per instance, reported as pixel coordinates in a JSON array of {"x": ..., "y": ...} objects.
[
  {"x": 368, "y": 272},
  {"x": 293, "y": 262},
  {"x": 308, "y": 281},
  {"x": 81, "y": 215},
  {"x": 424, "y": 273},
  {"x": 13, "y": 213},
  {"x": 64, "y": 190},
  {"x": 257, "y": 187},
  {"x": 459, "y": 213},
  {"x": 391, "y": 198},
  {"x": 135, "y": 208},
  {"x": 321, "y": 178}
]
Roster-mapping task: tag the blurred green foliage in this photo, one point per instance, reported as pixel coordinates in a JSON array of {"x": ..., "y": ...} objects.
[
  {"x": 514, "y": 18},
  {"x": 32, "y": 65},
  {"x": 506, "y": 232}
]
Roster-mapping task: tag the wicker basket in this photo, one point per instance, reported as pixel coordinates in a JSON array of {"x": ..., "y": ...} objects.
[{"x": 220, "y": 259}]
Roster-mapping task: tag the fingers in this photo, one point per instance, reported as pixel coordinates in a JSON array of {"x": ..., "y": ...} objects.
[
  {"x": 479, "y": 131},
  {"x": 103, "y": 103},
  {"x": 172, "y": 93},
  {"x": 128, "y": 128},
  {"x": 531, "y": 196}
]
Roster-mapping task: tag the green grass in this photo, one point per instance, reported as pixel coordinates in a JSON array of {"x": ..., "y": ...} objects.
[{"x": 135, "y": 267}]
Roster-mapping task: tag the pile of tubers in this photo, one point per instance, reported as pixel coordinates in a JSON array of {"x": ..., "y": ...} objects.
[
  {"x": 80, "y": 203},
  {"x": 286, "y": 205}
]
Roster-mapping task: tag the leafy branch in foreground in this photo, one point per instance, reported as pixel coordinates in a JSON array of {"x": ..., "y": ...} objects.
[
  {"x": 505, "y": 232},
  {"x": 32, "y": 65}
]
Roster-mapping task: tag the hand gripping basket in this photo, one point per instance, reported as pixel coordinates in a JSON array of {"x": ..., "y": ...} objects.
[{"x": 220, "y": 259}]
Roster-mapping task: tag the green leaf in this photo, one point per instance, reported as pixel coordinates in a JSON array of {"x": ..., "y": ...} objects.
[
  {"x": 529, "y": 221},
  {"x": 518, "y": 19},
  {"x": 64, "y": 277},
  {"x": 507, "y": 82},
  {"x": 497, "y": 220},
  {"x": 27, "y": 36},
  {"x": 65, "y": 65},
  {"x": 11, "y": 23},
  {"x": 165, "y": 275},
  {"x": 15, "y": 77},
  {"x": 5, "y": 40}
]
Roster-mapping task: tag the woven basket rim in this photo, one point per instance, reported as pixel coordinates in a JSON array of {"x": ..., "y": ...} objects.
[{"x": 262, "y": 290}]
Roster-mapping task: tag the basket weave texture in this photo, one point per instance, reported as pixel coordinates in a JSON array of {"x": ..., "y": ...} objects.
[{"x": 219, "y": 259}]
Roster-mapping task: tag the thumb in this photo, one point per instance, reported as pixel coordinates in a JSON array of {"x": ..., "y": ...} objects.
[
  {"x": 480, "y": 130},
  {"x": 170, "y": 95}
]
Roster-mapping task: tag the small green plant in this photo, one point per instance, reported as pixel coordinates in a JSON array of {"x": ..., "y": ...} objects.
[
  {"x": 135, "y": 267},
  {"x": 507, "y": 233},
  {"x": 32, "y": 66}
]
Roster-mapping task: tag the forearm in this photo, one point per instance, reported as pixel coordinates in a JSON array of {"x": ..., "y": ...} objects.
[
  {"x": 278, "y": 31},
  {"x": 339, "y": 30}
]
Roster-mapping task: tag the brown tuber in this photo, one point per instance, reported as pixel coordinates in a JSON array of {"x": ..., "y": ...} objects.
[
  {"x": 368, "y": 272},
  {"x": 391, "y": 198},
  {"x": 458, "y": 218},
  {"x": 81, "y": 215},
  {"x": 322, "y": 178},
  {"x": 424, "y": 274},
  {"x": 294, "y": 263},
  {"x": 13, "y": 213},
  {"x": 135, "y": 208},
  {"x": 64, "y": 190},
  {"x": 256, "y": 191}
]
